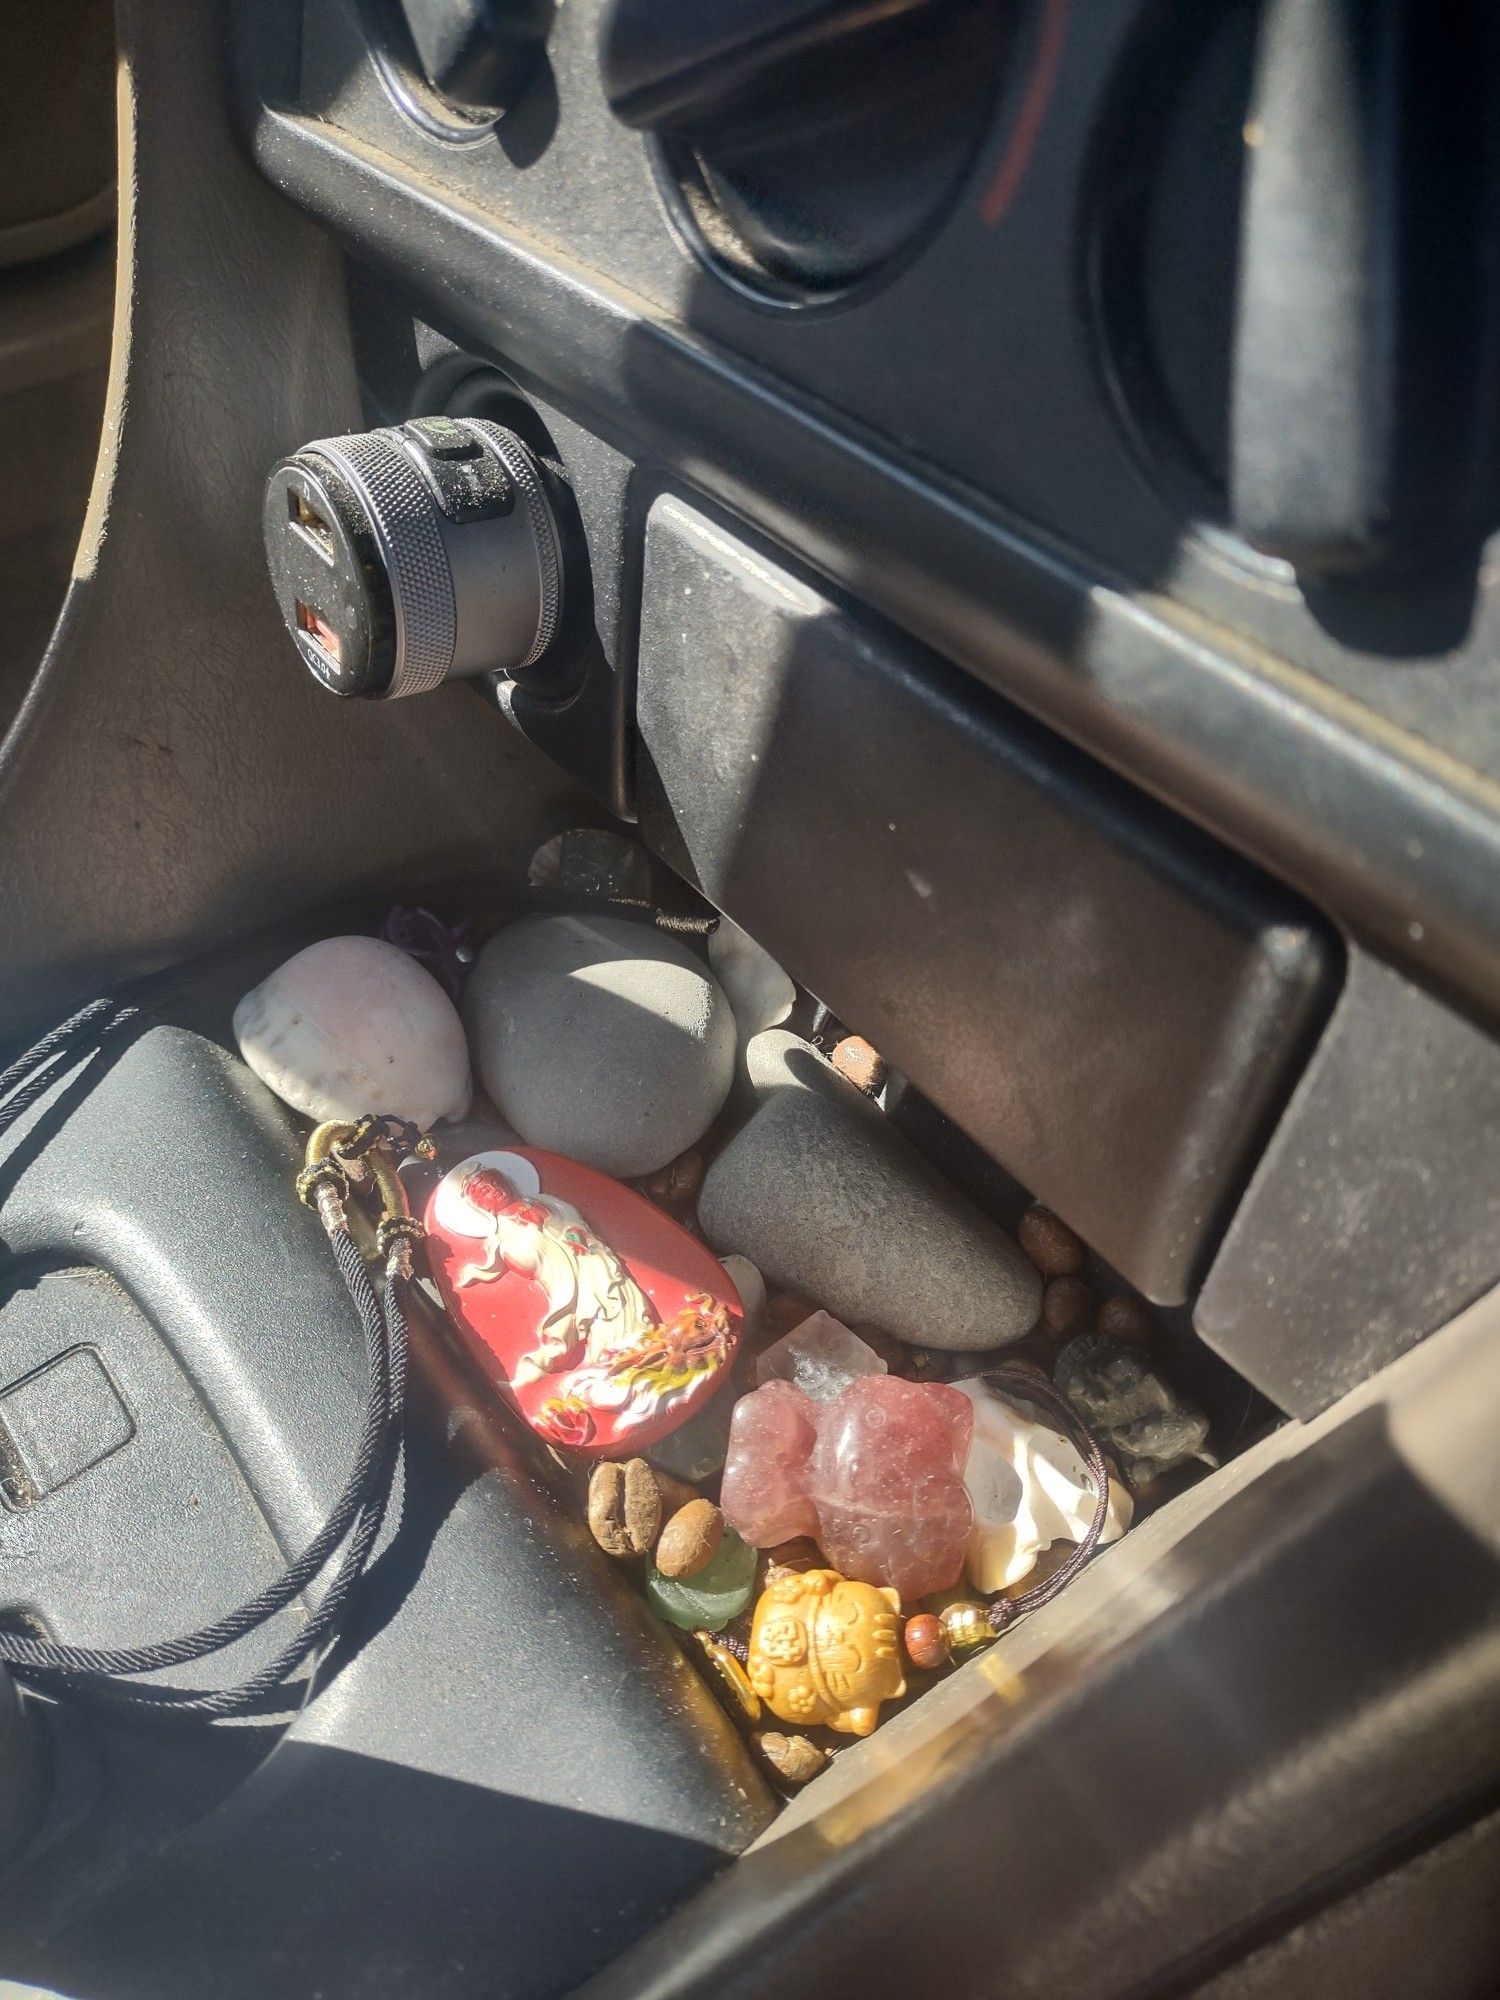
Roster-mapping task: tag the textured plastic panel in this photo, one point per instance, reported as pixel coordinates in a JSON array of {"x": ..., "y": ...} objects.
[
  {"x": 1110, "y": 1005},
  {"x": 137, "y": 1522},
  {"x": 23, "y": 1773},
  {"x": 1375, "y": 1214}
]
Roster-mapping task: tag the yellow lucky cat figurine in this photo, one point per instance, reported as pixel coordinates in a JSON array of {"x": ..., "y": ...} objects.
[{"x": 823, "y": 1649}]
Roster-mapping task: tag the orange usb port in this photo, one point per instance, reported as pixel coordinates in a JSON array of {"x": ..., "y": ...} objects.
[{"x": 319, "y": 631}]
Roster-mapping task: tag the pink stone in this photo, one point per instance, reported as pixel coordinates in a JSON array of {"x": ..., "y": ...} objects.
[
  {"x": 771, "y": 1437},
  {"x": 875, "y": 1477},
  {"x": 887, "y": 1480}
]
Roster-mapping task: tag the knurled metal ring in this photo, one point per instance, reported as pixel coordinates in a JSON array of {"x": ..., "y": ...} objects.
[
  {"x": 401, "y": 513},
  {"x": 516, "y": 459}
]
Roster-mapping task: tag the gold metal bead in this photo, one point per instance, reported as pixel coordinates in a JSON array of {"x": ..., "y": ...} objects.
[{"x": 966, "y": 1624}]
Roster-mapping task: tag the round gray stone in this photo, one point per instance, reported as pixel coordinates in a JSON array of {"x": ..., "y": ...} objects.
[
  {"x": 829, "y": 1199},
  {"x": 600, "y": 1039}
]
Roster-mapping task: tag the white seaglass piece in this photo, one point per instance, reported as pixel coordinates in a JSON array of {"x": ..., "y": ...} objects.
[
  {"x": 759, "y": 992},
  {"x": 1028, "y": 1488},
  {"x": 750, "y": 1285},
  {"x": 351, "y": 1025},
  {"x": 820, "y": 1356}
]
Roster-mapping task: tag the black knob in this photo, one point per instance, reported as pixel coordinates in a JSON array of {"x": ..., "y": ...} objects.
[
  {"x": 829, "y": 135},
  {"x": 687, "y": 66},
  {"x": 1363, "y": 431},
  {"x": 476, "y": 56}
]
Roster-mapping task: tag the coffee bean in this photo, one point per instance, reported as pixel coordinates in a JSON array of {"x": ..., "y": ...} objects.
[
  {"x": 1067, "y": 1308},
  {"x": 1049, "y": 1243},
  {"x": 793, "y": 1758},
  {"x": 1125, "y": 1318},
  {"x": 624, "y": 1507},
  {"x": 690, "y": 1540}
]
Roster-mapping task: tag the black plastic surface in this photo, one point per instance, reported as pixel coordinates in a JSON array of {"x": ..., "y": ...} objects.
[
  {"x": 807, "y": 143},
  {"x": 137, "y": 1522},
  {"x": 1375, "y": 1214},
  {"x": 513, "y": 1774},
  {"x": 1428, "y": 1930},
  {"x": 1107, "y": 1003},
  {"x": 476, "y": 55},
  {"x": 688, "y": 65},
  {"x": 165, "y": 1170},
  {"x": 23, "y": 1775}
]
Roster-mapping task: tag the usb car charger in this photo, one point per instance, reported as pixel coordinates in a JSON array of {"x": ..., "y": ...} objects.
[{"x": 406, "y": 557}]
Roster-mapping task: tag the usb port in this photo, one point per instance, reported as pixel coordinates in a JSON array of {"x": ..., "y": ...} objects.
[
  {"x": 319, "y": 631},
  {"x": 311, "y": 522}
]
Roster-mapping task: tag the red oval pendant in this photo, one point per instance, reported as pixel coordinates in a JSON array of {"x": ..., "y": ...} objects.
[{"x": 605, "y": 1323}]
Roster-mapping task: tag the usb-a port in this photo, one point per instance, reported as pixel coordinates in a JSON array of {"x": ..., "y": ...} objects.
[
  {"x": 319, "y": 631},
  {"x": 310, "y": 521}
]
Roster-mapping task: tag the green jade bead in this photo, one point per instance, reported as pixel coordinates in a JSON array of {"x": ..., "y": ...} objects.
[{"x": 709, "y": 1600}]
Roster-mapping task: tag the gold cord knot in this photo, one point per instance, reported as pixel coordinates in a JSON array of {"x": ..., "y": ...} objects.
[{"x": 364, "y": 1153}]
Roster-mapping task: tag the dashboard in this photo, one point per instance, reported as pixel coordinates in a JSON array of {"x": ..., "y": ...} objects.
[{"x": 1082, "y": 361}]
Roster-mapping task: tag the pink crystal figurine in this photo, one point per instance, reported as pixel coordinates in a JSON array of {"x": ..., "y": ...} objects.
[
  {"x": 771, "y": 1436},
  {"x": 888, "y": 1483},
  {"x": 875, "y": 1476}
]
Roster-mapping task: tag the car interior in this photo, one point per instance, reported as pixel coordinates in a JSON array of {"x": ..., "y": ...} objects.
[{"x": 950, "y": 836}]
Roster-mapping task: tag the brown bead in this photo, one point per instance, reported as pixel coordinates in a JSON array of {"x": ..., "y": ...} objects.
[
  {"x": 690, "y": 1540},
  {"x": 926, "y": 1643},
  {"x": 784, "y": 1310},
  {"x": 794, "y": 1759},
  {"x": 1125, "y": 1318},
  {"x": 1049, "y": 1243},
  {"x": 1067, "y": 1308},
  {"x": 675, "y": 1186},
  {"x": 861, "y": 1063},
  {"x": 624, "y": 1507}
]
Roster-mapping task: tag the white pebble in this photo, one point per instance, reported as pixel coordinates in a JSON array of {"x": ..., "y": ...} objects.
[{"x": 353, "y": 1025}]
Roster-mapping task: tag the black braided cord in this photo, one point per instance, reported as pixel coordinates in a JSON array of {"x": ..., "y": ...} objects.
[
  {"x": 1018, "y": 1383},
  {"x": 105, "y": 1673}
]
